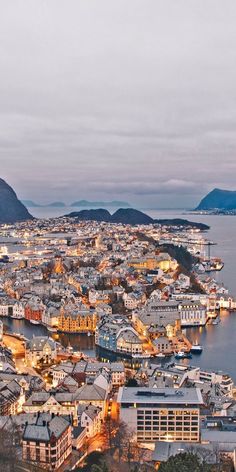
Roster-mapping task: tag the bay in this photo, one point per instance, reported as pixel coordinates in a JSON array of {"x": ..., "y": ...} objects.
[{"x": 218, "y": 341}]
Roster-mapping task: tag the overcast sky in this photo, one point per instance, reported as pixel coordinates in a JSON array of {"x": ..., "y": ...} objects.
[{"x": 128, "y": 99}]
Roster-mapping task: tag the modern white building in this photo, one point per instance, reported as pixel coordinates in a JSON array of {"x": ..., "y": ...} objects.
[{"x": 154, "y": 414}]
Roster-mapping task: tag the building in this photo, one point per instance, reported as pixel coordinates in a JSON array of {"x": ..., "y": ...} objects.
[
  {"x": 1, "y": 330},
  {"x": 72, "y": 320},
  {"x": 40, "y": 349},
  {"x": 116, "y": 334},
  {"x": 48, "y": 441},
  {"x": 192, "y": 314},
  {"x": 12, "y": 397},
  {"x": 90, "y": 418},
  {"x": 155, "y": 316},
  {"x": 154, "y": 414},
  {"x": 151, "y": 262},
  {"x": 83, "y": 370},
  {"x": 34, "y": 312},
  {"x": 178, "y": 374}
]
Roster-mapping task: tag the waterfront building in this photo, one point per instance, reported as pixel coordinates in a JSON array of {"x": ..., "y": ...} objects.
[
  {"x": 155, "y": 316},
  {"x": 161, "y": 414},
  {"x": 192, "y": 314},
  {"x": 34, "y": 311},
  {"x": 151, "y": 262},
  {"x": 40, "y": 349},
  {"x": 47, "y": 442},
  {"x": 116, "y": 334},
  {"x": 77, "y": 320}
]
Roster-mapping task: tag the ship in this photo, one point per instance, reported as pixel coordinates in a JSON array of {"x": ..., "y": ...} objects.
[
  {"x": 52, "y": 329},
  {"x": 213, "y": 265},
  {"x": 183, "y": 355},
  {"x": 196, "y": 348},
  {"x": 160, "y": 355}
]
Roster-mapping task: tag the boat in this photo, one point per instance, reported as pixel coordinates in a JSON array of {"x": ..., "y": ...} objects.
[
  {"x": 34, "y": 322},
  {"x": 183, "y": 355},
  {"x": 180, "y": 355},
  {"x": 216, "y": 321},
  {"x": 160, "y": 355},
  {"x": 196, "y": 348},
  {"x": 89, "y": 334},
  {"x": 51, "y": 329},
  {"x": 213, "y": 265}
]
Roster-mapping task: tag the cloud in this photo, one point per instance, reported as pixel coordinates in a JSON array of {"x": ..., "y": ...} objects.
[{"x": 134, "y": 98}]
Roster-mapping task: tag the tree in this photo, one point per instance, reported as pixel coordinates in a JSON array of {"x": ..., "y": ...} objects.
[
  {"x": 95, "y": 458},
  {"x": 184, "y": 462},
  {"x": 103, "y": 467},
  {"x": 131, "y": 383},
  {"x": 9, "y": 447}
]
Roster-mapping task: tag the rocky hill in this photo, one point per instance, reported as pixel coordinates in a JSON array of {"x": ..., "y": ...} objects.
[
  {"x": 91, "y": 215},
  {"x": 11, "y": 209},
  {"x": 130, "y": 216},
  {"x": 218, "y": 199}
]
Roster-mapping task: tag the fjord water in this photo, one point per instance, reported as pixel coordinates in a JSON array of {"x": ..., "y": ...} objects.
[
  {"x": 218, "y": 341},
  {"x": 219, "y": 347}
]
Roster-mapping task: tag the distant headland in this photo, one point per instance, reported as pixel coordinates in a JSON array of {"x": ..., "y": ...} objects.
[
  {"x": 218, "y": 199},
  {"x": 132, "y": 217}
]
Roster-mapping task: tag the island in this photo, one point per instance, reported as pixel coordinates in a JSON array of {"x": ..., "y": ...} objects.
[
  {"x": 132, "y": 217},
  {"x": 88, "y": 204},
  {"x": 218, "y": 199}
]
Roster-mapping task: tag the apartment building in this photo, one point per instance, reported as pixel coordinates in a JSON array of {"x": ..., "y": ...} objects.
[
  {"x": 48, "y": 441},
  {"x": 155, "y": 414}
]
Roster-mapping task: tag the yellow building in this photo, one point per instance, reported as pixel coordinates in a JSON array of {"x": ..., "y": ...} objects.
[
  {"x": 162, "y": 261},
  {"x": 73, "y": 321}
]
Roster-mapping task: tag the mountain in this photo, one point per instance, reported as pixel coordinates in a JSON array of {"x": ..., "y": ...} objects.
[
  {"x": 91, "y": 215},
  {"x": 130, "y": 216},
  {"x": 123, "y": 215},
  {"x": 30, "y": 204},
  {"x": 183, "y": 223},
  {"x": 11, "y": 209},
  {"x": 56, "y": 204},
  {"x": 113, "y": 203},
  {"x": 218, "y": 198}
]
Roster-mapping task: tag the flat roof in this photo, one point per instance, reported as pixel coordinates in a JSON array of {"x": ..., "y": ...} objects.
[{"x": 160, "y": 395}]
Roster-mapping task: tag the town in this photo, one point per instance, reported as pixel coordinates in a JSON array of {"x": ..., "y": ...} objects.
[{"x": 95, "y": 356}]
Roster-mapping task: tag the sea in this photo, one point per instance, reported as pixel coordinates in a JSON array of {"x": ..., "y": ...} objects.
[{"x": 218, "y": 341}]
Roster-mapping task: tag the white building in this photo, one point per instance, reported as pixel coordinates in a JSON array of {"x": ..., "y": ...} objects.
[
  {"x": 154, "y": 414},
  {"x": 192, "y": 314}
]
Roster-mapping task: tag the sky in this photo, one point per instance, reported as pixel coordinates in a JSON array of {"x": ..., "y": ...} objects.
[{"x": 118, "y": 99}]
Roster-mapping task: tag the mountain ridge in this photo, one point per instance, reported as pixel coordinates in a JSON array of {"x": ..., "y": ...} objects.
[
  {"x": 130, "y": 216},
  {"x": 87, "y": 203},
  {"x": 11, "y": 209},
  {"x": 218, "y": 199}
]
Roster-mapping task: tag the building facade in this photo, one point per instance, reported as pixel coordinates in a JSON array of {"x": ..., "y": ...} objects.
[{"x": 161, "y": 414}]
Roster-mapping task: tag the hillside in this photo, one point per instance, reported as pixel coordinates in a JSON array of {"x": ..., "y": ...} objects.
[
  {"x": 132, "y": 217},
  {"x": 91, "y": 215},
  {"x": 11, "y": 209},
  {"x": 218, "y": 199}
]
